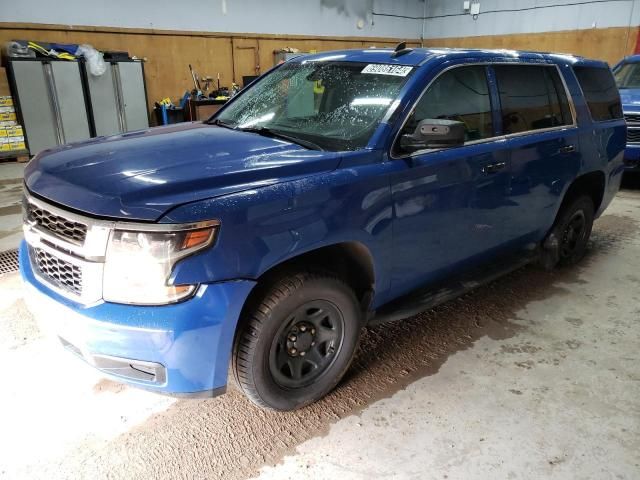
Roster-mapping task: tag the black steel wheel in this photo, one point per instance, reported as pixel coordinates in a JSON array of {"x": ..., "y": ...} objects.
[
  {"x": 573, "y": 234},
  {"x": 567, "y": 241},
  {"x": 306, "y": 346},
  {"x": 297, "y": 340}
]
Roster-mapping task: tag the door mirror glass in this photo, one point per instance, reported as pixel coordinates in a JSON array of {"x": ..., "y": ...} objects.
[{"x": 434, "y": 133}]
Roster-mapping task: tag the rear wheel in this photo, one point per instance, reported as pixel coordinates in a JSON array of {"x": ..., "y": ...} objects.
[
  {"x": 297, "y": 343},
  {"x": 566, "y": 244}
]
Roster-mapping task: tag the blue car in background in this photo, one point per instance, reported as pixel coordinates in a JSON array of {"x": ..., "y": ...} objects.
[
  {"x": 339, "y": 190},
  {"x": 627, "y": 75}
]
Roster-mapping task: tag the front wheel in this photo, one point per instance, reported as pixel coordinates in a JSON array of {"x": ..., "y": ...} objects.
[
  {"x": 298, "y": 341},
  {"x": 566, "y": 244}
]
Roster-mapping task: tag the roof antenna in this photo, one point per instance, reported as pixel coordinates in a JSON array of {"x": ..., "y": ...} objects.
[{"x": 401, "y": 49}]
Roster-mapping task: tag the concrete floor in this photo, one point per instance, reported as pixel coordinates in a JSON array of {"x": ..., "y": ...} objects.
[
  {"x": 10, "y": 196},
  {"x": 534, "y": 376}
]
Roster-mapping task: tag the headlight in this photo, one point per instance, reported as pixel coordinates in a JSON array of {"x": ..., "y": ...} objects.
[{"x": 139, "y": 262}]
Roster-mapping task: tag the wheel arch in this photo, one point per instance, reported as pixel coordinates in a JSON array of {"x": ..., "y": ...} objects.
[
  {"x": 351, "y": 261},
  {"x": 592, "y": 184}
]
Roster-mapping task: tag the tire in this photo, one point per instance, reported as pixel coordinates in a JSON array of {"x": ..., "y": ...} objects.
[
  {"x": 566, "y": 243},
  {"x": 296, "y": 344}
]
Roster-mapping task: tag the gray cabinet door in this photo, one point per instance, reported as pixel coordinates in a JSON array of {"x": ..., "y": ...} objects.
[
  {"x": 71, "y": 105},
  {"x": 40, "y": 124},
  {"x": 104, "y": 103},
  {"x": 134, "y": 100}
]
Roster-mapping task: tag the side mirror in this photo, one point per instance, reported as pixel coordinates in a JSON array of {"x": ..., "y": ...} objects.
[{"x": 434, "y": 133}]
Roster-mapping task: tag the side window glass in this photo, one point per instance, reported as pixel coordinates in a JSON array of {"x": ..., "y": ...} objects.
[
  {"x": 531, "y": 98},
  {"x": 600, "y": 92},
  {"x": 560, "y": 110},
  {"x": 459, "y": 94}
]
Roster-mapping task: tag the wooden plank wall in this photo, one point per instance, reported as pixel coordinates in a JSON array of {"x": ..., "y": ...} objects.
[
  {"x": 4, "y": 83},
  {"x": 168, "y": 54},
  {"x": 609, "y": 44}
]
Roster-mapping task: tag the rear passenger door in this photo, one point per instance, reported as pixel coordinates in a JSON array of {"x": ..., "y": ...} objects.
[{"x": 538, "y": 122}]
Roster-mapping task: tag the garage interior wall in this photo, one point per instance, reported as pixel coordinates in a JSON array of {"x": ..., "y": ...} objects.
[
  {"x": 234, "y": 38},
  {"x": 604, "y": 29},
  {"x": 231, "y": 38}
]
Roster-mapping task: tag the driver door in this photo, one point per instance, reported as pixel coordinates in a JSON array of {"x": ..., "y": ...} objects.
[{"x": 449, "y": 203}]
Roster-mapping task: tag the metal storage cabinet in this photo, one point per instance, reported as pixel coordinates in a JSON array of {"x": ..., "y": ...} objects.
[
  {"x": 118, "y": 99},
  {"x": 50, "y": 100}
]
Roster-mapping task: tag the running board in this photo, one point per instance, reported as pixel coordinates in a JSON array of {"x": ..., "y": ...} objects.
[{"x": 430, "y": 297}]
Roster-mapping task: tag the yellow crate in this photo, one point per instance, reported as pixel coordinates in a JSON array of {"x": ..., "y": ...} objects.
[
  {"x": 17, "y": 146},
  {"x": 6, "y": 101},
  {"x": 5, "y": 147},
  {"x": 8, "y": 117},
  {"x": 3, "y": 132}
]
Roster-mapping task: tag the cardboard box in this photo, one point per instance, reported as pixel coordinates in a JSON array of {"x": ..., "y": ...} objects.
[
  {"x": 7, "y": 109},
  {"x": 14, "y": 131},
  {"x": 8, "y": 123},
  {"x": 8, "y": 117},
  {"x": 6, "y": 101},
  {"x": 15, "y": 146}
]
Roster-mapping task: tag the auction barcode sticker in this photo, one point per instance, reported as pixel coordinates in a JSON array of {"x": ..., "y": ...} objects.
[{"x": 382, "y": 69}]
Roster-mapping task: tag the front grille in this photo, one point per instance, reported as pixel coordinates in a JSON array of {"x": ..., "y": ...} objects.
[
  {"x": 75, "y": 232},
  {"x": 633, "y": 135},
  {"x": 632, "y": 118},
  {"x": 62, "y": 274}
]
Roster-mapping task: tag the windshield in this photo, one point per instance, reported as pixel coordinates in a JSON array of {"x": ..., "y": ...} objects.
[
  {"x": 333, "y": 105},
  {"x": 628, "y": 75}
]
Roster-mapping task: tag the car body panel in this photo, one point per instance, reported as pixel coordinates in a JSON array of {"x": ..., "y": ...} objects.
[
  {"x": 191, "y": 339},
  {"x": 139, "y": 175}
]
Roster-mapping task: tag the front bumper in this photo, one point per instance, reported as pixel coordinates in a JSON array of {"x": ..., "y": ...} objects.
[
  {"x": 632, "y": 158},
  {"x": 182, "y": 349}
]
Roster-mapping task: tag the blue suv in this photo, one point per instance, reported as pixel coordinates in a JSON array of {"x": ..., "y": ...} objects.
[
  {"x": 340, "y": 189},
  {"x": 627, "y": 75}
]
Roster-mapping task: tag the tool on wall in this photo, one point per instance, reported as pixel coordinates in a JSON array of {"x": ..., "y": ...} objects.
[{"x": 196, "y": 82}]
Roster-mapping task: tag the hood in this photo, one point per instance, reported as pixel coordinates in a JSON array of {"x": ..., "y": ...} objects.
[
  {"x": 630, "y": 98},
  {"x": 141, "y": 175}
]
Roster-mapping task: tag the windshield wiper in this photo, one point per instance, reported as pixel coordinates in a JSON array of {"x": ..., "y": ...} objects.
[
  {"x": 220, "y": 123},
  {"x": 268, "y": 132}
]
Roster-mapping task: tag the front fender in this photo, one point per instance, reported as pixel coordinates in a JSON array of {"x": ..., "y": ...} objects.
[{"x": 264, "y": 227}]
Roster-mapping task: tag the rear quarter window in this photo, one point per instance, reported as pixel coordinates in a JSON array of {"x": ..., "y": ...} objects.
[{"x": 600, "y": 92}]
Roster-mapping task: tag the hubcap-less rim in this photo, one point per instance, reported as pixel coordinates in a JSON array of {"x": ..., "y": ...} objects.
[
  {"x": 573, "y": 234},
  {"x": 307, "y": 344}
]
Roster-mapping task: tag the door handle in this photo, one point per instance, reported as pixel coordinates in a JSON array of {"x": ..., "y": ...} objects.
[
  {"x": 567, "y": 149},
  {"x": 493, "y": 167}
]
